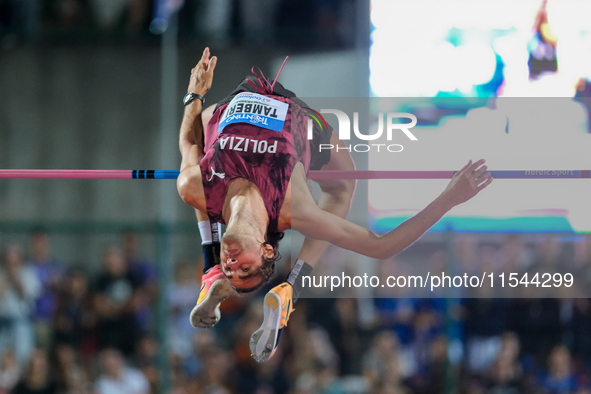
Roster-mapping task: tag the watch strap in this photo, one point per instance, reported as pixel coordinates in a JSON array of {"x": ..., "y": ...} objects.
[{"x": 189, "y": 97}]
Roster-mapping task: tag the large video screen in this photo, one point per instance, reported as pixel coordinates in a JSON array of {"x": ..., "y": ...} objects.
[{"x": 509, "y": 87}]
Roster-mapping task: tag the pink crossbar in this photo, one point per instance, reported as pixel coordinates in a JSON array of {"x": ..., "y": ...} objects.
[
  {"x": 67, "y": 174},
  {"x": 317, "y": 175}
]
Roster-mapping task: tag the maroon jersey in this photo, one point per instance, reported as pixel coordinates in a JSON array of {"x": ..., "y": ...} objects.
[{"x": 258, "y": 137}]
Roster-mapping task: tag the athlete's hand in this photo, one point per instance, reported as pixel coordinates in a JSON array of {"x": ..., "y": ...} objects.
[
  {"x": 466, "y": 183},
  {"x": 202, "y": 74}
]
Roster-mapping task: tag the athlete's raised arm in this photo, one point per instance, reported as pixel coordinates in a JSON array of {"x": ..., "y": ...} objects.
[
  {"x": 191, "y": 135},
  {"x": 191, "y": 132},
  {"x": 315, "y": 223}
]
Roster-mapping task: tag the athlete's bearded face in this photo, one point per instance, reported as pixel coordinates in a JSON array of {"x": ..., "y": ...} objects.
[{"x": 241, "y": 259}]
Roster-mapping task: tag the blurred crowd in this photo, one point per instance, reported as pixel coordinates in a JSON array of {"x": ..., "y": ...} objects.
[
  {"x": 314, "y": 24},
  {"x": 68, "y": 330},
  {"x": 65, "y": 331}
]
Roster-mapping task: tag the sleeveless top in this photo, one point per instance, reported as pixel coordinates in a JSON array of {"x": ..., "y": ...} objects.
[{"x": 259, "y": 136}]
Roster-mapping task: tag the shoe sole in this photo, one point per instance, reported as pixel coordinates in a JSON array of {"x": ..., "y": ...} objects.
[
  {"x": 262, "y": 342},
  {"x": 207, "y": 313}
]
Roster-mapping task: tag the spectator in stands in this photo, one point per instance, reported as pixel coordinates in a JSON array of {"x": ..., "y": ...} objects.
[
  {"x": 485, "y": 320},
  {"x": 506, "y": 375},
  {"x": 248, "y": 375},
  {"x": 537, "y": 321},
  {"x": 466, "y": 248},
  {"x": 145, "y": 359},
  {"x": 397, "y": 314},
  {"x": 559, "y": 378},
  {"x": 513, "y": 256},
  {"x": 181, "y": 299},
  {"x": 118, "y": 293},
  {"x": 578, "y": 327},
  {"x": 392, "y": 382},
  {"x": 118, "y": 378},
  {"x": 349, "y": 336},
  {"x": 71, "y": 378},
  {"x": 139, "y": 264},
  {"x": 37, "y": 379},
  {"x": 144, "y": 269},
  {"x": 427, "y": 328},
  {"x": 203, "y": 345},
  {"x": 271, "y": 376},
  {"x": 216, "y": 374},
  {"x": 510, "y": 350},
  {"x": 179, "y": 381},
  {"x": 9, "y": 372},
  {"x": 19, "y": 287},
  {"x": 433, "y": 360},
  {"x": 383, "y": 352},
  {"x": 74, "y": 321},
  {"x": 316, "y": 360},
  {"x": 50, "y": 273},
  {"x": 502, "y": 378}
]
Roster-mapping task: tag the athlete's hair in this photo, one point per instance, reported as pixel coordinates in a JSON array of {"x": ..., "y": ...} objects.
[{"x": 268, "y": 267}]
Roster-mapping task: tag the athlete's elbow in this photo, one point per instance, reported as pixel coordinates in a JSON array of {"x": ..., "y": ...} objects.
[
  {"x": 379, "y": 254},
  {"x": 384, "y": 255},
  {"x": 381, "y": 249},
  {"x": 372, "y": 252}
]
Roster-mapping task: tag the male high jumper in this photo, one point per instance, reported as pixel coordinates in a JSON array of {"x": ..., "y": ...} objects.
[{"x": 244, "y": 164}]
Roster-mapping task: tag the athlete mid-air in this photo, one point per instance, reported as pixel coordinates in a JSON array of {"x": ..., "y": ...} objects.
[{"x": 244, "y": 164}]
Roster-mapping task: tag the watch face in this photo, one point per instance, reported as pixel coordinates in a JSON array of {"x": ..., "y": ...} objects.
[{"x": 191, "y": 96}]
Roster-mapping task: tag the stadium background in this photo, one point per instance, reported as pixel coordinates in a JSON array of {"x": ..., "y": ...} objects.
[{"x": 86, "y": 84}]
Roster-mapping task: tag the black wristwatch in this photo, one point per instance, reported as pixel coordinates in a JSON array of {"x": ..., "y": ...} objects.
[{"x": 192, "y": 96}]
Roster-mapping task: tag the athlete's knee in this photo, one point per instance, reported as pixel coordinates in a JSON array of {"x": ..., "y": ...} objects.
[{"x": 185, "y": 186}]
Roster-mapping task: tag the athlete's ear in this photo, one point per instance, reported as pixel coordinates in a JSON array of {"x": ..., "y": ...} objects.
[{"x": 268, "y": 251}]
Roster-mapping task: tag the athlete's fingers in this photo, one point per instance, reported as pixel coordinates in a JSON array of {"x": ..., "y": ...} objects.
[
  {"x": 204, "y": 58},
  {"x": 212, "y": 63},
  {"x": 476, "y": 174},
  {"x": 474, "y": 166},
  {"x": 466, "y": 166},
  {"x": 487, "y": 179},
  {"x": 202, "y": 63}
]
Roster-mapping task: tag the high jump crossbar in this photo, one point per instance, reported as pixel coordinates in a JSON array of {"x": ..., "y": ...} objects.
[{"x": 171, "y": 174}]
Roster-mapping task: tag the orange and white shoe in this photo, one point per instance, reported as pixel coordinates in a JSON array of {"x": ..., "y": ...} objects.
[
  {"x": 215, "y": 288},
  {"x": 278, "y": 305}
]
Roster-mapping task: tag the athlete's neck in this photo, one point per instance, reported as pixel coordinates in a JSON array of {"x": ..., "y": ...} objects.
[{"x": 244, "y": 209}]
